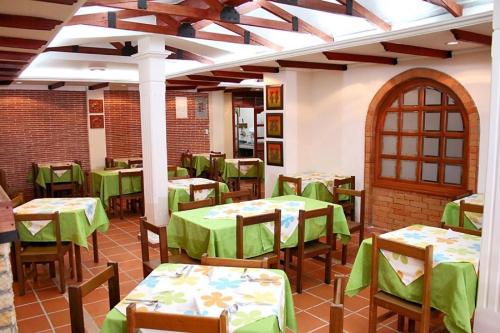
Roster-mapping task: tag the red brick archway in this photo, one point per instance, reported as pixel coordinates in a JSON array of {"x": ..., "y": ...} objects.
[{"x": 393, "y": 208}]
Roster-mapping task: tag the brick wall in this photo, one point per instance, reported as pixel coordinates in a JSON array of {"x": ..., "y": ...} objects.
[
  {"x": 123, "y": 130},
  {"x": 40, "y": 126}
]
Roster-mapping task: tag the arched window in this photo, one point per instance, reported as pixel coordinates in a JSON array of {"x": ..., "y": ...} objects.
[{"x": 422, "y": 139}]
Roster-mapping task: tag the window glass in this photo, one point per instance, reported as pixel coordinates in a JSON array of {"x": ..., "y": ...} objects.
[
  {"x": 410, "y": 121},
  {"x": 430, "y": 172},
  {"x": 432, "y": 121},
  {"x": 451, "y": 101},
  {"x": 388, "y": 168},
  {"x": 432, "y": 96},
  {"x": 454, "y": 148},
  {"x": 391, "y": 121},
  {"x": 411, "y": 97},
  {"x": 389, "y": 144},
  {"x": 395, "y": 104},
  {"x": 453, "y": 174},
  {"x": 408, "y": 170},
  {"x": 454, "y": 122},
  {"x": 409, "y": 146},
  {"x": 431, "y": 147}
]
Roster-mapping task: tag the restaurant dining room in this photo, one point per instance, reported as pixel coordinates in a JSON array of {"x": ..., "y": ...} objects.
[{"x": 249, "y": 166}]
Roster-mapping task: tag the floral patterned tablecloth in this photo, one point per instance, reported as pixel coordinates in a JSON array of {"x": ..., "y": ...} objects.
[
  {"x": 184, "y": 184},
  {"x": 474, "y": 218}
]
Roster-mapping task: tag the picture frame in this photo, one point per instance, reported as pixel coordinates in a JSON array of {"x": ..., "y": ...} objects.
[
  {"x": 201, "y": 107},
  {"x": 274, "y": 125},
  {"x": 274, "y": 153},
  {"x": 274, "y": 97},
  {"x": 96, "y": 106},
  {"x": 96, "y": 121}
]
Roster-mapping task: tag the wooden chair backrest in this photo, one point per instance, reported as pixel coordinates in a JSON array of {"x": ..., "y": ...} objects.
[
  {"x": 187, "y": 160},
  {"x": 210, "y": 186},
  {"x": 3, "y": 180},
  {"x": 135, "y": 163},
  {"x": 196, "y": 204},
  {"x": 173, "y": 169},
  {"x": 297, "y": 181},
  {"x": 109, "y": 162},
  {"x": 161, "y": 231},
  {"x": 175, "y": 322},
  {"x": 89, "y": 184},
  {"x": 68, "y": 168},
  {"x": 463, "y": 230},
  {"x": 214, "y": 163},
  {"x": 351, "y": 181},
  {"x": 129, "y": 174},
  {"x": 251, "y": 164},
  {"x": 19, "y": 218},
  {"x": 304, "y": 216},
  {"x": 242, "y": 222},
  {"x": 243, "y": 195},
  {"x": 337, "y": 191},
  {"x": 468, "y": 207},
  {"x": 418, "y": 253},
  {"x": 77, "y": 292},
  {"x": 337, "y": 306},
  {"x": 226, "y": 262},
  {"x": 18, "y": 200}
]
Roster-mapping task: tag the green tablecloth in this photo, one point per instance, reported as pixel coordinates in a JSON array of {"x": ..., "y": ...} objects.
[
  {"x": 177, "y": 195},
  {"x": 316, "y": 190},
  {"x": 454, "y": 287},
  {"x": 43, "y": 177},
  {"x": 105, "y": 184},
  {"x": 181, "y": 172},
  {"x": 74, "y": 227},
  {"x": 230, "y": 170},
  {"x": 115, "y": 321},
  {"x": 189, "y": 230},
  {"x": 450, "y": 216},
  {"x": 200, "y": 163}
]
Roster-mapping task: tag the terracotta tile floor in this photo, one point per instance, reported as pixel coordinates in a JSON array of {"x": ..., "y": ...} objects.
[{"x": 44, "y": 309}]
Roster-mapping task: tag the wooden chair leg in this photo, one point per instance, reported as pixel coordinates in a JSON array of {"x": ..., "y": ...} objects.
[
  {"x": 286, "y": 261},
  {"x": 78, "y": 260},
  {"x": 71, "y": 262},
  {"x": 411, "y": 325},
  {"x": 401, "y": 323},
  {"x": 52, "y": 269},
  {"x": 34, "y": 271},
  {"x": 361, "y": 235},
  {"x": 95, "y": 246},
  {"x": 121, "y": 208},
  {"x": 372, "y": 319},
  {"x": 20, "y": 276},
  {"x": 344, "y": 254},
  {"x": 328, "y": 267},
  {"x": 62, "y": 275},
  {"x": 13, "y": 263}
]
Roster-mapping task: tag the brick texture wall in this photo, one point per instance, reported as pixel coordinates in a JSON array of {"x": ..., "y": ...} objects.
[
  {"x": 123, "y": 130},
  {"x": 40, "y": 126}
]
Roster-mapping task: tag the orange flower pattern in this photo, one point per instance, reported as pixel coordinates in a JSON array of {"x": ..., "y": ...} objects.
[{"x": 216, "y": 299}]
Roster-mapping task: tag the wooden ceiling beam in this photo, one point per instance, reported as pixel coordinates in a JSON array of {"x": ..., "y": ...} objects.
[
  {"x": 211, "y": 89},
  {"x": 260, "y": 69},
  {"x": 214, "y": 78},
  {"x": 9, "y": 70},
  {"x": 311, "y": 65},
  {"x": 360, "y": 58},
  {"x": 27, "y": 22},
  {"x": 5, "y": 82},
  {"x": 467, "y": 36},
  {"x": 416, "y": 50},
  {"x": 252, "y": 38},
  {"x": 14, "y": 65},
  {"x": 241, "y": 75},
  {"x": 214, "y": 4},
  {"x": 451, "y": 6},
  {"x": 319, "y": 5},
  {"x": 180, "y": 87},
  {"x": 60, "y": 2},
  {"x": 8, "y": 73},
  {"x": 186, "y": 55},
  {"x": 7, "y": 78},
  {"x": 56, "y": 85},
  {"x": 16, "y": 56},
  {"x": 99, "y": 86},
  {"x": 359, "y": 10},
  {"x": 117, "y": 45},
  {"x": 84, "y": 49},
  {"x": 193, "y": 82},
  {"x": 22, "y": 43}
]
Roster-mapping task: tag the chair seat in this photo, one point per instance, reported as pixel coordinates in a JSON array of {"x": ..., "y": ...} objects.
[
  {"x": 312, "y": 249},
  {"x": 31, "y": 252},
  {"x": 401, "y": 306},
  {"x": 353, "y": 226},
  {"x": 271, "y": 257}
]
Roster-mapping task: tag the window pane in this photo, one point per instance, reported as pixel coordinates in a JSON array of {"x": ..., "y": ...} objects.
[
  {"x": 391, "y": 121},
  {"x": 408, "y": 170},
  {"x": 431, "y": 146},
  {"x": 454, "y": 122},
  {"x": 454, "y": 148},
  {"x": 409, "y": 145},
  {"x": 388, "y": 168},
  {"x": 432, "y": 121},
  {"x": 410, "y": 121},
  {"x": 389, "y": 144},
  {"x": 432, "y": 96},
  {"x": 453, "y": 174},
  {"x": 411, "y": 97},
  {"x": 451, "y": 101},
  {"x": 429, "y": 172},
  {"x": 395, "y": 103}
]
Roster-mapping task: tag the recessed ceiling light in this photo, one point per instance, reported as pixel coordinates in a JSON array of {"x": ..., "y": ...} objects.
[
  {"x": 453, "y": 42},
  {"x": 19, "y": 82}
]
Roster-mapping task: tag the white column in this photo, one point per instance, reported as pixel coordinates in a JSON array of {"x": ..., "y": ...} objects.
[
  {"x": 151, "y": 60},
  {"x": 217, "y": 121},
  {"x": 488, "y": 303},
  {"x": 97, "y": 136}
]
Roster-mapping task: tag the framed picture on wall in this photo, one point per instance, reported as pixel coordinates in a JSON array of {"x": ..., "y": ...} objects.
[
  {"x": 274, "y": 125},
  {"x": 201, "y": 107},
  {"x": 274, "y": 97},
  {"x": 96, "y": 121},
  {"x": 96, "y": 106},
  {"x": 274, "y": 153}
]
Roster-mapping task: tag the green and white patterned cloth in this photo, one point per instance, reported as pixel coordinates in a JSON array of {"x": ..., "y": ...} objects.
[
  {"x": 257, "y": 300},
  {"x": 184, "y": 184},
  {"x": 230, "y": 168},
  {"x": 472, "y": 220},
  {"x": 61, "y": 176}
]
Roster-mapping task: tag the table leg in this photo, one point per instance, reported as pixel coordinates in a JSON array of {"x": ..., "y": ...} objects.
[
  {"x": 94, "y": 246},
  {"x": 78, "y": 259}
]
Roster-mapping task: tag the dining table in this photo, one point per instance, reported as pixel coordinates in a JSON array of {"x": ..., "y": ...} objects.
[
  {"x": 257, "y": 300},
  {"x": 60, "y": 176},
  {"x": 315, "y": 185},
  {"x": 122, "y": 162},
  {"x": 230, "y": 168},
  {"x": 473, "y": 221},
  {"x": 178, "y": 191},
  {"x": 212, "y": 230},
  {"x": 454, "y": 274}
]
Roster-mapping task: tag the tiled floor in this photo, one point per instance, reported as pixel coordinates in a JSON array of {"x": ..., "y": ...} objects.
[{"x": 44, "y": 309}]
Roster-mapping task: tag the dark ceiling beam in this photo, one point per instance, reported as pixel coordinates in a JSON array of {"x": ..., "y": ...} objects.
[
  {"x": 311, "y": 65},
  {"x": 27, "y": 22},
  {"x": 214, "y": 78},
  {"x": 260, "y": 69},
  {"x": 16, "y": 56},
  {"x": 7, "y": 73},
  {"x": 297, "y": 23},
  {"x": 186, "y": 55},
  {"x": 117, "y": 45},
  {"x": 319, "y": 5},
  {"x": 174, "y": 88},
  {"x": 467, "y": 36},
  {"x": 252, "y": 37},
  {"x": 10, "y": 70},
  {"x": 360, "y": 58},
  {"x": 10, "y": 64},
  {"x": 192, "y": 82},
  {"x": 211, "y": 89},
  {"x": 416, "y": 50},
  {"x": 21, "y": 43},
  {"x": 99, "y": 86},
  {"x": 241, "y": 75},
  {"x": 5, "y": 82},
  {"x": 84, "y": 49},
  {"x": 451, "y": 6},
  {"x": 214, "y": 4},
  {"x": 60, "y": 2},
  {"x": 359, "y": 10},
  {"x": 56, "y": 85}
]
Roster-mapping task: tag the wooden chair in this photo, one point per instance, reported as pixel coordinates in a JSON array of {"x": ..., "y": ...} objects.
[
  {"x": 463, "y": 230},
  {"x": 196, "y": 204},
  {"x": 188, "y": 163},
  {"x": 174, "y": 322},
  {"x": 134, "y": 163},
  {"x": 310, "y": 249},
  {"x": 65, "y": 186},
  {"x": 353, "y": 225},
  {"x": 214, "y": 171},
  {"x": 395, "y": 305},
  {"x": 172, "y": 169},
  {"x": 236, "y": 196},
  {"x": 337, "y": 306},
  {"x": 18, "y": 200},
  {"x": 347, "y": 204},
  {"x": 297, "y": 182},
  {"x": 211, "y": 186},
  {"x": 245, "y": 263},
  {"x": 109, "y": 162},
  {"x": 148, "y": 264},
  {"x": 42, "y": 252},
  {"x": 76, "y": 293},
  {"x": 468, "y": 207},
  {"x": 3, "y": 180},
  {"x": 123, "y": 199},
  {"x": 178, "y": 177},
  {"x": 37, "y": 190},
  {"x": 256, "y": 181},
  {"x": 242, "y": 222}
]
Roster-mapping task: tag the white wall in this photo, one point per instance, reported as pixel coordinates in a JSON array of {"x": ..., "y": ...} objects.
[
  {"x": 228, "y": 125},
  {"x": 216, "y": 120},
  {"x": 97, "y": 136}
]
